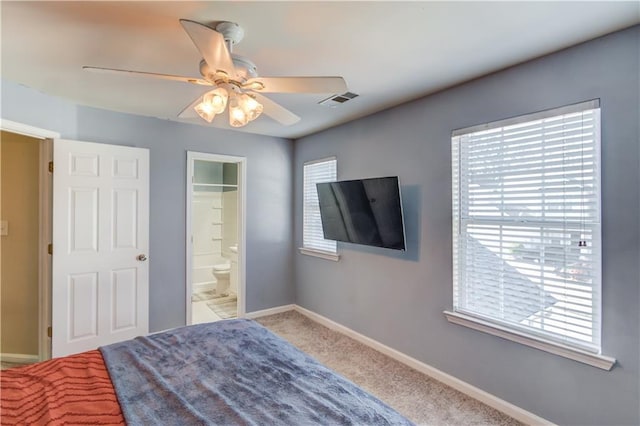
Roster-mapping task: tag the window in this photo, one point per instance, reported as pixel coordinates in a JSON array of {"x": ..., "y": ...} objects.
[
  {"x": 526, "y": 225},
  {"x": 313, "y": 241}
]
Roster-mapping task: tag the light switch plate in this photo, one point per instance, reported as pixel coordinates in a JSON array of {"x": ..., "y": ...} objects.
[{"x": 4, "y": 227}]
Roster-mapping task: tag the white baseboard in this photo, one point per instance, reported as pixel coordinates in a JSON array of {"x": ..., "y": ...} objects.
[
  {"x": 270, "y": 311},
  {"x": 464, "y": 387},
  {"x": 19, "y": 358}
]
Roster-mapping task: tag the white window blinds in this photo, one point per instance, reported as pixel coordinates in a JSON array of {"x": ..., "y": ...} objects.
[
  {"x": 315, "y": 172},
  {"x": 526, "y": 224}
]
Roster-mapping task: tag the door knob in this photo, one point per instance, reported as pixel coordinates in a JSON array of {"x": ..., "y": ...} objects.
[{"x": 142, "y": 257}]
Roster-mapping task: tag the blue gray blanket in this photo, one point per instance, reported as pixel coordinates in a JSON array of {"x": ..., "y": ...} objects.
[{"x": 233, "y": 372}]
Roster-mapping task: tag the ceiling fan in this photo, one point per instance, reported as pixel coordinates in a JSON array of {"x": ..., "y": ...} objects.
[{"x": 235, "y": 79}]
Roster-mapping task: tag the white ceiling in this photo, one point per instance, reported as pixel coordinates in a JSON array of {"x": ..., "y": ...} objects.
[{"x": 388, "y": 52}]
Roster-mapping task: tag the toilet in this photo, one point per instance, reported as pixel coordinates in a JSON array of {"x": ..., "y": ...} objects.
[{"x": 222, "y": 273}]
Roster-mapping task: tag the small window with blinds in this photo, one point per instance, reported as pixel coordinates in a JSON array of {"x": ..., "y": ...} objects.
[
  {"x": 324, "y": 170},
  {"x": 526, "y": 224}
]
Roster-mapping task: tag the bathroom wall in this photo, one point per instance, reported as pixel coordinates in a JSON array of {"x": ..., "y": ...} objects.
[
  {"x": 229, "y": 220},
  {"x": 232, "y": 175},
  {"x": 19, "y": 271},
  {"x": 206, "y": 223}
]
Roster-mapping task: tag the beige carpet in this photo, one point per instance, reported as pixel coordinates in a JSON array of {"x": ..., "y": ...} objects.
[{"x": 418, "y": 397}]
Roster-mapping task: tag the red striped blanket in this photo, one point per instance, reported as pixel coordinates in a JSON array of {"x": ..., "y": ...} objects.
[{"x": 70, "y": 390}]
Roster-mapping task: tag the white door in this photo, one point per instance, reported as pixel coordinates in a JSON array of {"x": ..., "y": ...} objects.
[{"x": 100, "y": 277}]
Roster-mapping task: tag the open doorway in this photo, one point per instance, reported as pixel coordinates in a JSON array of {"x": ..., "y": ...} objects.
[
  {"x": 25, "y": 263},
  {"x": 215, "y": 237}
]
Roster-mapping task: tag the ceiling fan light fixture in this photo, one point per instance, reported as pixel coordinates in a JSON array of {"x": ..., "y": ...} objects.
[
  {"x": 252, "y": 108},
  {"x": 218, "y": 99},
  {"x": 237, "y": 114},
  {"x": 214, "y": 101},
  {"x": 205, "y": 112}
]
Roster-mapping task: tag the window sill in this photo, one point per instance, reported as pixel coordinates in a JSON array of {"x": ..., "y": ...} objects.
[
  {"x": 321, "y": 254},
  {"x": 595, "y": 360}
]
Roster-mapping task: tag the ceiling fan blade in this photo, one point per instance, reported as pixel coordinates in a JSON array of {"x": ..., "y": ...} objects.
[
  {"x": 211, "y": 45},
  {"x": 276, "y": 111},
  {"x": 189, "y": 111},
  {"x": 296, "y": 84},
  {"x": 191, "y": 80}
]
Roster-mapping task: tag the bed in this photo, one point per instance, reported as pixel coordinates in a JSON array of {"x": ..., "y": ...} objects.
[{"x": 228, "y": 372}]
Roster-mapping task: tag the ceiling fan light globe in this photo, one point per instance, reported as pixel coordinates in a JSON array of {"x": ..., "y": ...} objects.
[
  {"x": 255, "y": 114},
  {"x": 251, "y": 107},
  {"x": 208, "y": 117},
  {"x": 216, "y": 99},
  {"x": 237, "y": 115},
  {"x": 205, "y": 112}
]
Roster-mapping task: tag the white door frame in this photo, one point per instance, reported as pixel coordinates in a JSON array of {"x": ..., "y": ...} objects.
[
  {"x": 242, "y": 189},
  {"x": 44, "y": 228}
]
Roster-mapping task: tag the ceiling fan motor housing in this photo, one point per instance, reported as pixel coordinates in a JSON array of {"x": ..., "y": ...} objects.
[
  {"x": 244, "y": 68},
  {"x": 232, "y": 32}
]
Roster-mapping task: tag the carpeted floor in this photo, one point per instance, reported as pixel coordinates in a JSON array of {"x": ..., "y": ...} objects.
[{"x": 418, "y": 397}]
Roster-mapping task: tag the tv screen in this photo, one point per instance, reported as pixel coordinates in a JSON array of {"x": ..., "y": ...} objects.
[{"x": 363, "y": 211}]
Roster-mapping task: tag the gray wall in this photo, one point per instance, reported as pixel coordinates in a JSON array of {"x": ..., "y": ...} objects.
[
  {"x": 398, "y": 298},
  {"x": 269, "y": 193}
]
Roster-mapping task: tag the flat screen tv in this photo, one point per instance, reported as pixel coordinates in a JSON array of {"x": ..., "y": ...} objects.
[{"x": 363, "y": 211}]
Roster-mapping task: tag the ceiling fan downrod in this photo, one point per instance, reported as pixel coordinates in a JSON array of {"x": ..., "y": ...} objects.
[{"x": 232, "y": 33}]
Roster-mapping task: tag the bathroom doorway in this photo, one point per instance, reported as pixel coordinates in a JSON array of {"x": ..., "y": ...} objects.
[{"x": 215, "y": 237}]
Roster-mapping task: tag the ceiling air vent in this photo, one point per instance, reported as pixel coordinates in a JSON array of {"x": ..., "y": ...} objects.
[{"x": 335, "y": 100}]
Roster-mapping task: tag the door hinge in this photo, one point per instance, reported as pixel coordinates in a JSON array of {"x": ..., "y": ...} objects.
[
  {"x": 49, "y": 331},
  {"x": 50, "y": 166},
  {"x": 50, "y": 248}
]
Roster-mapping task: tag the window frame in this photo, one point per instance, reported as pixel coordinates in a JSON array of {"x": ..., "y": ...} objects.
[
  {"x": 306, "y": 248},
  {"x": 498, "y": 327}
]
